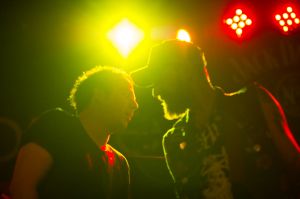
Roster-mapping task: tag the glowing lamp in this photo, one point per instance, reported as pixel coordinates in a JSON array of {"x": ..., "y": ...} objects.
[
  {"x": 183, "y": 35},
  {"x": 125, "y": 36},
  {"x": 287, "y": 19},
  {"x": 238, "y": 22}
]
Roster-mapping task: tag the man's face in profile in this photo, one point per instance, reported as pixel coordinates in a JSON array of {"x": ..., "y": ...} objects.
[
  {"x": 118, "y": 105},
  {"x": 169, "y": 90}
]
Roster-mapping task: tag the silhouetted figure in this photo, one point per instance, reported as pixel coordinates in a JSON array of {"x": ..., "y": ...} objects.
[
  {"x": 223, "y": 145},
  {"x": 68, "y": 156}
]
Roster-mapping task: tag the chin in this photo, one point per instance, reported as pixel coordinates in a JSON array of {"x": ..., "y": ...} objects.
[
  {"x": 170, "y": 113},
  {"x": 172, "y": 116}
]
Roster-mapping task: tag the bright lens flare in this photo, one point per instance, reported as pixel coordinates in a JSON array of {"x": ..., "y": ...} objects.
[
  {"x": 125, "y": 36},
  {"x": 183, "y": 35}
]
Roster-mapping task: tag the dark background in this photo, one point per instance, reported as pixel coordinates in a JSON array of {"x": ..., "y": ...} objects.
[{"x": 40, "y": 59}]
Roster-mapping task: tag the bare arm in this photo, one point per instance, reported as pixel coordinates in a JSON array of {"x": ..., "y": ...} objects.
[
  {"x": 32, "y": 164},
  {"x": 280, "y": 132}
]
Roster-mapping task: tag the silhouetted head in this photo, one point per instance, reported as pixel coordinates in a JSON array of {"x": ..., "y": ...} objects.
[
  {"x": 173, "y": 68},
  {"x": 107, "y": 93},
  {"x": 167, "y": 58}
]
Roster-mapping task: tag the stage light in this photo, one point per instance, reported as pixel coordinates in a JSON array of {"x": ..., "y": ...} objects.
[
  {"x": 239, "y": 31},
  {"x": 238, "y": 21},
  {"x": 183, "y": 35},
  {"x": 229, "y": 21},
  {"x": 242, "y": 24},
  {"x": 248, "y": 22},
  {"x": 277, "y": 17},
  {"x": 285, "y": 15},
  {"x": 286, "y": 18},
  {"x": 238, "y": 11},
  {"x": 125, "y": 36},
  {"x": 236, "y": 18},
  {"x": 234, "y": 26},
  {"x": 289, "y": 9},
  {"x": 243, "y": 17}
]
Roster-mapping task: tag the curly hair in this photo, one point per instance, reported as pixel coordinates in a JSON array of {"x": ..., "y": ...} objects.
[{"x": 100, "y": 77}]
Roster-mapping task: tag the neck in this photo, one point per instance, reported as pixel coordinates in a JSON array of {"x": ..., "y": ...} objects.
[{"x": 93, "y": 128}]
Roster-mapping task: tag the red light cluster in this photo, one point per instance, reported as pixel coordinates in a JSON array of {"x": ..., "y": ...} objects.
[
  {"x": 287, "y": 19},
  {"x": 238, "y": 22}
]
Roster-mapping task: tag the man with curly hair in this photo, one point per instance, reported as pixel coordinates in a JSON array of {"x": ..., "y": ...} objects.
[{"x": 68, "y": 156}]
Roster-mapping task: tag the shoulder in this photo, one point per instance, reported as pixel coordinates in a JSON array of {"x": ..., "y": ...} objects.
[
  {"x": 50, "y": 130},
  {"x": 55, "y": 114},
  {"x": 52, "y": 119}
]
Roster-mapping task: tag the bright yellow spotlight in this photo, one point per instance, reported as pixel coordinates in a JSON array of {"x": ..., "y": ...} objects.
[
  {"x": 183, "y": 35},
  {"x": 125, "y": 37}
]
